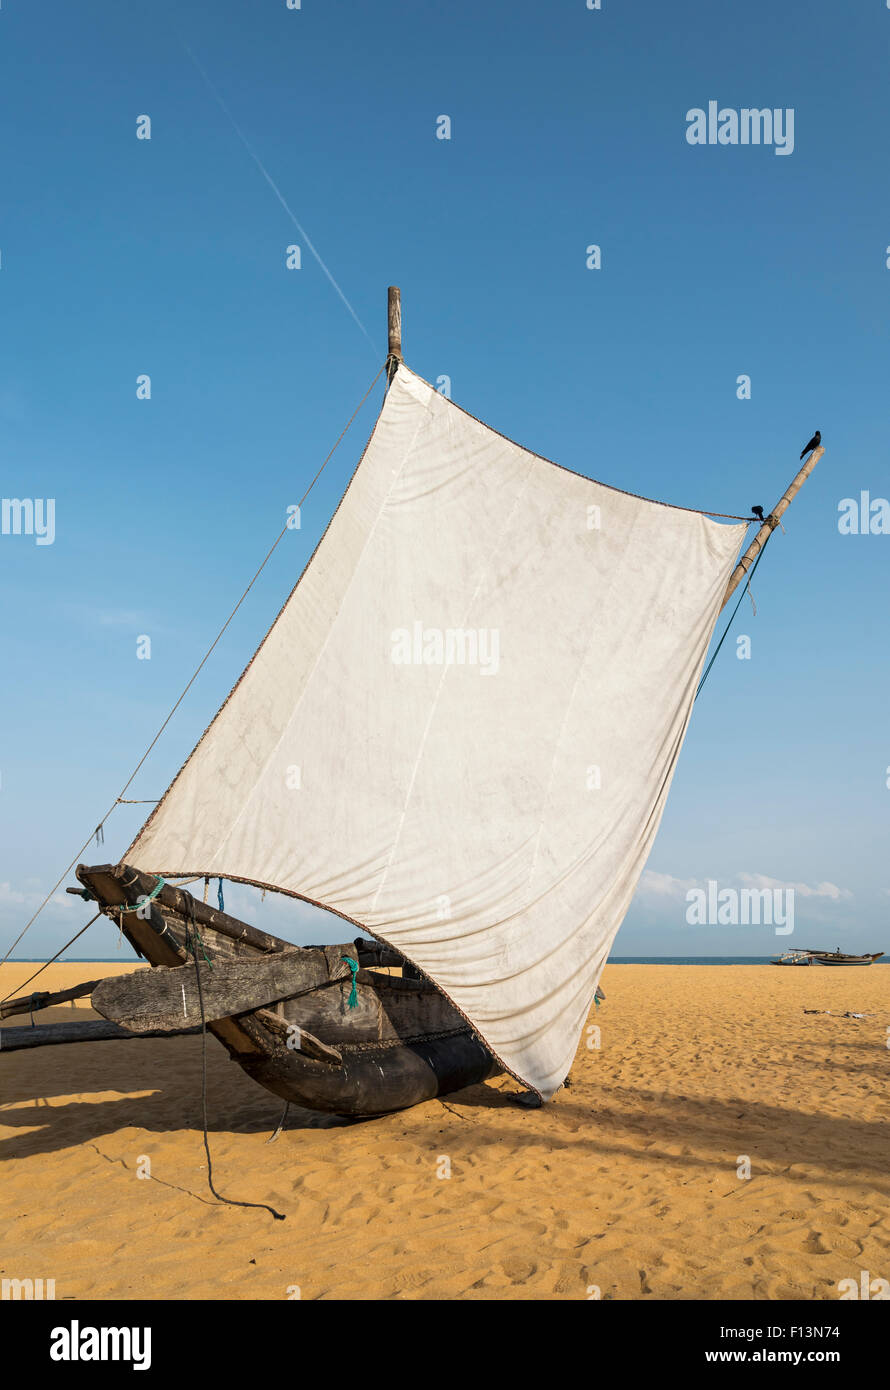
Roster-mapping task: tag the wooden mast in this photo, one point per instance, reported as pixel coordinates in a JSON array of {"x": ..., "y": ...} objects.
[
  {"x": 769, "y": 525},
  {"x": 394, "y": 321},
  {"x": 393, "y": 358}
]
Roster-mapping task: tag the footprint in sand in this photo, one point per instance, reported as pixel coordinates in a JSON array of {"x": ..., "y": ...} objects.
[
  {"x": 517, "y": 1270},
  {"x": 413, "y": 1280},
  {"x": 814, "y": 1245}
]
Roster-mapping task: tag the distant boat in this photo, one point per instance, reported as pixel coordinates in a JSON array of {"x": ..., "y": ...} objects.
[
  {"x": 839, "y": 958},
  {"x": 795, "y": 958}
]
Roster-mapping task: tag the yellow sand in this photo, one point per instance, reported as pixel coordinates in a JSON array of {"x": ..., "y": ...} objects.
[{"x": 627, "y": 1182}]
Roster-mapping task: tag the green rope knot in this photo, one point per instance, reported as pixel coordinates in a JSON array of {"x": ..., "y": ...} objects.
[
  {"x": 134, "y": 907},
  {"x": 194, "y": 939},
  {"x": 352, "y": 1001}
]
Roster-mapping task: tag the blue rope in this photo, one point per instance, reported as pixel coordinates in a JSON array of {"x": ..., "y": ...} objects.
[{"x": 352, "y": 1001}]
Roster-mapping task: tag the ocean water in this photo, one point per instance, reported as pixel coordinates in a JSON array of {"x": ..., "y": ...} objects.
[
  {"x": 704, "y": 960},
  {"x": 689, "y": 960},
  {"x": 127, "y": 957}
]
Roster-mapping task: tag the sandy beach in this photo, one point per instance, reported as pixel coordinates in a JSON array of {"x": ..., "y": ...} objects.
[{"x": 626, "y": 1186}]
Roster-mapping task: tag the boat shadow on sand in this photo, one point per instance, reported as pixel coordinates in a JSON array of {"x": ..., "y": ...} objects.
[
  {"x": 655, "y": 1128},
  {"x": 68, "y": 1103}
]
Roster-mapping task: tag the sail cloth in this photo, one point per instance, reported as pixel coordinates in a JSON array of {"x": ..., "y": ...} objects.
[{"x": 461, "y": 729}]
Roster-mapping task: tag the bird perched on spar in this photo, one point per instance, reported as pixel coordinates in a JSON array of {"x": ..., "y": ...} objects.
[{"x": 807, "y": 448}]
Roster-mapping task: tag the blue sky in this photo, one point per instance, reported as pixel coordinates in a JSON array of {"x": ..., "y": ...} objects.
[{"x": 120, "y": 257}]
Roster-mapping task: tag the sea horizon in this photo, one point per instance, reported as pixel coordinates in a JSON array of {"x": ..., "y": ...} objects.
[{"x": 612, "y": 960}]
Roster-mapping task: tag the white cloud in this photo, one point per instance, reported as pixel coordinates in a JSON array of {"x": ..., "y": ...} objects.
[
  {"x": 24, "y": 897},
  {"x": 665, "y": 886},
  {"x": 658, "y": 885},
  {"x": 801, "y": 890}
]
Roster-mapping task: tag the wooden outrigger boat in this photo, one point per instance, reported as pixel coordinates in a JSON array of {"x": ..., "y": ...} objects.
[
  {"x": 793, "y": 957},
  {"x": 838, "y": 957},
  {"x": 478, "y": 859},
  {"x": 389, "y": 1041},
  {"x": 841, "y": 958}
]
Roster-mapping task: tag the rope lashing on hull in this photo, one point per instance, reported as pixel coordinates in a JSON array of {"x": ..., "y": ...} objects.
[
  {"x": 352, "y": 1001},
  {"x": 194, "y": 939},
  {"x": 137, "y": 907}
]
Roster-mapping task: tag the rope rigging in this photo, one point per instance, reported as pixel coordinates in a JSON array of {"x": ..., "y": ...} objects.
[
  {"x": 98, "y": 832},
  {"x": 745, "y": 590},
  {"x": 55, "y": 958},
  {"x": 192, "y": 941}
]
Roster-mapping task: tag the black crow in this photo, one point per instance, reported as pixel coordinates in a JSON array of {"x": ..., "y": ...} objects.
[{"x": 813, "y": 444}]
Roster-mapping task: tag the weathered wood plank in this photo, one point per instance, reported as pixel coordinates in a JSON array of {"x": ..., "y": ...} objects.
[
  {"x": 150, "y": 935},
  {"x": 169, "y": 999},
  {"x": 133, "y": 884},
  {"x": 93, "y": 1030},
  {"x": 302, "y": 1040},
  {"x": 387, "y": 1007},
  {"x": 369, "y": 953}
]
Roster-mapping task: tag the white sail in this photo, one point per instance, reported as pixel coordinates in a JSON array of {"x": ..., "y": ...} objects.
[{"x": 461, "y": 729}]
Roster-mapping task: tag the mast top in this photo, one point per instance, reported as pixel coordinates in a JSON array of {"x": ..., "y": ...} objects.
[{"x": 394, "y": 321}]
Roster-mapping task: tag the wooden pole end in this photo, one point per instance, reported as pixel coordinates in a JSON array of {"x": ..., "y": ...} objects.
[{"x": 394, "y": 322}]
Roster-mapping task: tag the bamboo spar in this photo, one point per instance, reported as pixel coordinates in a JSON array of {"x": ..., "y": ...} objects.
[{"x": 769, "y": 525}]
